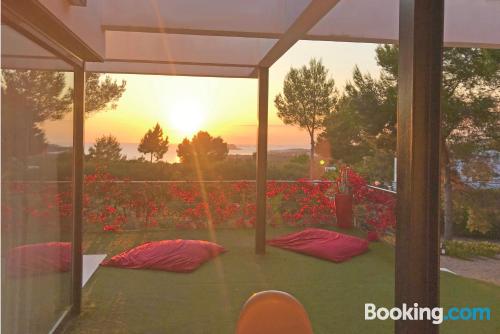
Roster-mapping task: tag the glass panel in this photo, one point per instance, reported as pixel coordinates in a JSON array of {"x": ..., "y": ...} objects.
[{"x": 37, "y": 153}]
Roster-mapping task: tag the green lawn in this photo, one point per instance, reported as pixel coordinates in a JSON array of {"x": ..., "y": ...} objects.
[{"x": 209, "y": 299}]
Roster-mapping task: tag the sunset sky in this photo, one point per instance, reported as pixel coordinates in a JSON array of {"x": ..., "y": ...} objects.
[{"x": 222, "y": 106}]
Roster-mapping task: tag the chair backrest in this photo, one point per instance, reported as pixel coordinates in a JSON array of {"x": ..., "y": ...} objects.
[{"x": 273, "y": 312}]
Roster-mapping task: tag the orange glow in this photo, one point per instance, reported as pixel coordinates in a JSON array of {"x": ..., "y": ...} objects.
[
  {"x": 187, "y": 117},
  {"x": 225, "y": 107}
]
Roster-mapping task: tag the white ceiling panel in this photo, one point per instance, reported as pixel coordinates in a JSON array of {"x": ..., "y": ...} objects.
[
  {"x": 203, "y": 16},
  {"x": 159, "y": 47},
  {"x": 467, "y": 23},
  {"x": 232, "y": 37}
]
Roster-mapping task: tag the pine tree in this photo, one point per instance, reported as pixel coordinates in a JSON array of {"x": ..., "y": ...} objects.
[
  {"x": 308, "y": 97},
  {"x": 106, "y": 148},
  {"x": 153, "y": 143}
]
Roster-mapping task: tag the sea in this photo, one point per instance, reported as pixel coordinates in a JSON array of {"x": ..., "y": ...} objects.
[{"x": 130, "y": 150}]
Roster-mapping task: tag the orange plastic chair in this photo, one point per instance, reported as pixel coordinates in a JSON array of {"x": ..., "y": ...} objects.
[{"x": 273, "y": 312}]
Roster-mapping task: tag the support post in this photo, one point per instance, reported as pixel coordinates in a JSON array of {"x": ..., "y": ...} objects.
[
  {"x": 260, "y": 225},
  {"x": 78, "y": 153},
  {"x": 417, "y": 233}
]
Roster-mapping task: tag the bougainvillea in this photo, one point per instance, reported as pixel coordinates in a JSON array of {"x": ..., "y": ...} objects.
[
  {"x": 379, "y": 205},
  {"x": 111, "y": 204}
]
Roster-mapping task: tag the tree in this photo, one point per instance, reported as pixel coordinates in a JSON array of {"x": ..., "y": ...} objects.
[
  {"x": 202, "y": 149},
  {"x": 470, "y": 106},
  {"x": 21, "y": 137},
  {"x": 102, "y": 93},
  {"x": 153, "y": 143},
  {"x": 364, "y": 119},
  {"x": 308, "y": 97},
  {"x": 45, "y": 94},
  {"x": 106, "y": 148},
  {"x": 362, "y": 129},
  {"x": 49, "y": 94},
  {"x": 30, "y": 97}
]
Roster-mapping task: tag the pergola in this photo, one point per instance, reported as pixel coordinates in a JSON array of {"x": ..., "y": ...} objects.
[{"x": 242, "y": 39}]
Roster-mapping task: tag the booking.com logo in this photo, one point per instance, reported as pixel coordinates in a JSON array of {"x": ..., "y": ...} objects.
[{"x": 436, "y": 314}]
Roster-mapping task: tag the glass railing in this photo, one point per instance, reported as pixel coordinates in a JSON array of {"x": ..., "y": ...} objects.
[
  {"x": 118, "y": 204},
  {"x": 111, "y": 204}
]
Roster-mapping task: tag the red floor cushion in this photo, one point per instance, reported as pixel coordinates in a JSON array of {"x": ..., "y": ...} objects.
[
  {"x": 168, "y": 255},
  {"x": 324, "y": 244},
  {"x": 40, "y": 258}
]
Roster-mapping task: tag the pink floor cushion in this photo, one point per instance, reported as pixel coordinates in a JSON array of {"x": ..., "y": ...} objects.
[
  {"x": 168, "y": 255},
  {"x": 41, "y": 258},
  {"x": 324, "y": 244}
]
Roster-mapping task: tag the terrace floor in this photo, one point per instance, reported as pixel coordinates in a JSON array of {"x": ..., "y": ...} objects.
[{"x": 209, "y": 299}]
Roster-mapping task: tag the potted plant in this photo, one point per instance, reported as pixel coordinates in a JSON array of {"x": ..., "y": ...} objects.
[{"x": 343, "y": 200}]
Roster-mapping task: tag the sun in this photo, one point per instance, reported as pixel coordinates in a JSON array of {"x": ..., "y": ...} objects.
[{"x": 187, "y": 117}]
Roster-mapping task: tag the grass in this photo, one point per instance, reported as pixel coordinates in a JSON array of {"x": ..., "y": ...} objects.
[
  {"x": 469, "y": 249},
  {"x": 209, "y": 299},
  {"x": 32, "y": 304}
]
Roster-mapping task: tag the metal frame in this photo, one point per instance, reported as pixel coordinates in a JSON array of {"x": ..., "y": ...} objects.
[
  {"x": 309, "y": 17},
  {"x": 417, "y": 231},
  {"x": 37, "y": 16},
  {"x": 14, "y": 17},
  {"x": 78, "y": 157},
  {"x": 260, "y": 224},
  {"x": 18, "y": 21},
  {"x": 182, "y": 28},
  {"x": 421, "y": 39},
  {"x": 364, "y": 21},
  {"x": 314, "y": 12}
]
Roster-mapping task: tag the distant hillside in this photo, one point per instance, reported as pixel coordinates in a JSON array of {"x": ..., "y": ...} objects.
[
  {"x": 54, "y": 149},
  {"x": 291, "y": 152},
  {"x": 273, "y": 155}
]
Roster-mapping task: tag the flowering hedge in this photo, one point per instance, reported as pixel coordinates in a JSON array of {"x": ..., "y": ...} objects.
[
  {"x": 111, "y": 204},
  {"x": 117, "y": 204},
  {"x": 46, "y": 207}
]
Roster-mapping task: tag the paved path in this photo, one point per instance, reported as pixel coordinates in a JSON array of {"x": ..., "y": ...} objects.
[{"x": 484, "y": 269}]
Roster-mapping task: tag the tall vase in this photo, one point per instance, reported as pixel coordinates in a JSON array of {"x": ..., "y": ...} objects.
[{"x": 343, "y": 210}]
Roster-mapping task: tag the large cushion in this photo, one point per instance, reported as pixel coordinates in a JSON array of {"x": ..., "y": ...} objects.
[
  {"x": 40, "y": 258},
  {"x": 324, "y": 244},
  {"x": 168, "y": 255}
]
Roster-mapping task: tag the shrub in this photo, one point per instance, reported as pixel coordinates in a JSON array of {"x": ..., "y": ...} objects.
[
  {"x": 476, "y": 213},
  {"x": 469, "y": 249}
]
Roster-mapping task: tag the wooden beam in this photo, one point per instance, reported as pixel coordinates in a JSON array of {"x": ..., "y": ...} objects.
[
  {"x": 197, "y": 32},
  {"x": 176, "y": 62},
  {"x": 36, "y": 15},
  {"x": 78, "y": 154},
  {"x": 417, "y": 233},
  {"x": 20, "y": 23},
  {"x": 80, "y": 3},
  {"x": 309, "y": 17},
  {"x": 260, "y": 224},
  {"x": 171, "y": 69}
]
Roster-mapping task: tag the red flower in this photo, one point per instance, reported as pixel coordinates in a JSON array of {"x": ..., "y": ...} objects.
[
  {"x": 111, "y": 228},
  {"x": 110, "y": 209}
]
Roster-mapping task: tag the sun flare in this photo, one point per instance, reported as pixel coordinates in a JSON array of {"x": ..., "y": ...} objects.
[{"x": 187, "y": 117}]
